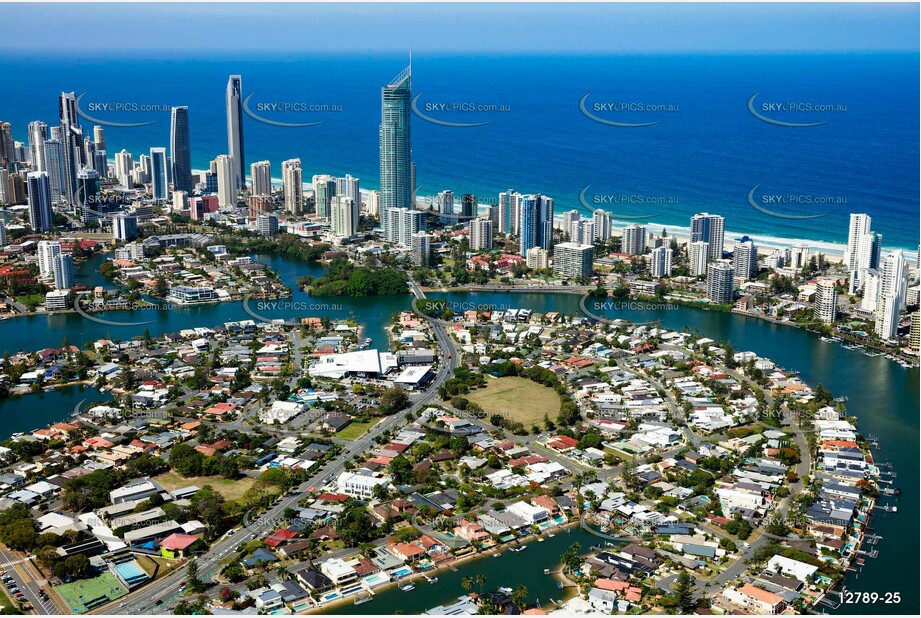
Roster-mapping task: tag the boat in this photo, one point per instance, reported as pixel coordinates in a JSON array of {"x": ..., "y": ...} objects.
[
  {"x": 522, "y": 548},
  {"x": 406, "y": 587},
  {"x": 431, "y": 580},
  {"x": 540, "y": 539},
  {"x": 496, "y": 554},
  {"x": 505, "y": 590},
  {"x": 550, "y": 536},
  {"x": 359, "y": 599},
  {"x": 546, "y": 571}
]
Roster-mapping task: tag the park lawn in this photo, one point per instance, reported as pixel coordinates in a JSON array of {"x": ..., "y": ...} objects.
[
  {"x": 520, "y": 399},
  {"x": 355, "y": 430},
  {"x": 230, "y": 489}
]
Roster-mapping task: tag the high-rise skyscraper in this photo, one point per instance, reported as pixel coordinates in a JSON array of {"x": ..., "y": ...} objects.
[
  {"x": 7, "y": 147},
  {"x": 41, "y": 214},
  {"x": 47, "y": 251},
  {"x": 53, "y": 157},
  {"x": 324, "y": 189},
  {"x": 634, "y": 239},
  {"x": 535, "y": 222},
  {"x": 444, "y": 204},
  {"x": 374, "y": 203},
  {"x": 180, "y": 149},
  {"x": 402, "y": 223},
  {"x": 87, "y": 195},
  {"x": 602, "y": 220},
  {"x": 858, "y": 226},
  {"x": 719, "y": 282},
  {"x": 825, "y": 308},
  {"x": 508, "y": 211},
  {"x": 468, "y": 206},
  {"x": 226, "y": 186},
  {"x": 698, "y": 253},
  {"x": 480, "y": 234},
  {"x": 159, "y": 175},
  {"x": 660, "y": 262},
  {"x": 38, "y": 134},
  {"x": 99, "y": 137},
  {"x": 421, "y": 249},
  {"x": 710, "y": 229},
  {"x": 350, "y": 189},
  {"x": 124, "y": 166},
  {"x": 396, "y": 168},
  {"x": 570, "y": 217},
  {"x": 63, "y": 266},
  {"x": 745, "y": 257},
  {"x": 343, "y": 216},
  {"x": 72, "y": 151},
  {"x": 235, "y": 129},
  {"x": 2, "y": 233},
  {"x": 261, "y": 173},
  {"x": 573, "y": 260}
]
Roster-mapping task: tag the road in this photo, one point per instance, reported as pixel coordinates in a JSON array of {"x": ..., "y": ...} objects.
[
  {"x": 23, "y": 573},
  {"x": 167, "y": 589}
]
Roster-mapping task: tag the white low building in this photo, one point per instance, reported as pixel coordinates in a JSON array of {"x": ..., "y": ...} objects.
[
  {"x": 359, "y": 485},
  {"x": 281, "y": 411}
]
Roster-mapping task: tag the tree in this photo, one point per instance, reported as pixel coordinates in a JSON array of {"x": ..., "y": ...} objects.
[
  {"x": 192, "y": 582},
  {"x": 684, "y": 593},
  {"x": 467, "y": 583},
  {"x": 520, "y": 597},
  {"x": 393, "y": 400}
]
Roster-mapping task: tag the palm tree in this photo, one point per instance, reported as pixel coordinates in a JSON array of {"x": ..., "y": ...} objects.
[
  {"x": 282, "y": 573},
  {"x": 480, "y": 579},
  {"x": 467, "y": 583},
  {"x": 520, "y": 597}
]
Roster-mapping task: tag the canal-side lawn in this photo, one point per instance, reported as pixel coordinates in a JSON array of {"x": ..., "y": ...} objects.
[
  {"x": 521, "y": 399},
  {"x": 230, "y": 489}
]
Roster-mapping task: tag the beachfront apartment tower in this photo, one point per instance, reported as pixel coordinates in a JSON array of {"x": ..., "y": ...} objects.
[
  {"x": 394, "y": 142},
  {"x": 508, "y": 212},
  {"x": 745, "y": 257},
  {"x": 234, "y": 105},
  {"x": 602, "y": 220},
  {"x": 634, "y": 239},
  {"x": 180, "y": 149},
  {"x": 710, "y": 229},
  {"x": 444, "y": 204},
  {"x": 292, "y": 178},
  {"x": 719, "y": 282},
  {"x": 261, "y": 174}
]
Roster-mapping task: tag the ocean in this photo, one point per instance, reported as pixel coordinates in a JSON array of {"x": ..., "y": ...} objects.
[{"x": 701, "y": 149}]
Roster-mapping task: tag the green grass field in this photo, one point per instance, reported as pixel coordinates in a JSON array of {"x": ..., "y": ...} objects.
[
  {"x": 355, "y": 430},
  {"x": 521, "y": 399},
  {"x": 230, "y": 489},
  {"x": 85, "y": 594}
]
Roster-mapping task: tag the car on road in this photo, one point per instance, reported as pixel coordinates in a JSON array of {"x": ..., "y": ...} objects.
[{"x": 123, "y": 605}]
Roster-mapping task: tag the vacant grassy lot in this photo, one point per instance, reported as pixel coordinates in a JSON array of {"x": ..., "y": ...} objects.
[
  {"x": 355, "y": 430},
  {"x": 519, "y": 399},
  {"x": 231, "y": 490}
]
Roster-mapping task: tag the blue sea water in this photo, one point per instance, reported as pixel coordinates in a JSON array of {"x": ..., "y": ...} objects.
[{"x": 707, "y": 155}]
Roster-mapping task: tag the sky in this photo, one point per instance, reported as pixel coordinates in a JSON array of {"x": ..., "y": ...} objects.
[{"x": 450, "y": 28}]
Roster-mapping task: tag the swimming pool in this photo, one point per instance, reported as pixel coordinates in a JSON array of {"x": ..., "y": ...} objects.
[
  {"x": 402, "y": 572},
  {"x": 377, "y": 579},
  {"x": 330, "y": 596}
]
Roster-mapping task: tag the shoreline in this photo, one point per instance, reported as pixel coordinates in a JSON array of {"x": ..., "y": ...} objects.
[{"x": 531, "y": 538}]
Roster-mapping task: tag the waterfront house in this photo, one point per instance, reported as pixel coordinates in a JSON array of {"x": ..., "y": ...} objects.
[{"x": 755, "y": 599}]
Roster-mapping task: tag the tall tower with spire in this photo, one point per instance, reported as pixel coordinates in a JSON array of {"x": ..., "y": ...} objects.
[{"x": 395, "y": 151}]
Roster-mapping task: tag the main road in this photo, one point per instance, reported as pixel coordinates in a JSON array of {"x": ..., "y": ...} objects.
[{"x": 167, "y": 589}]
